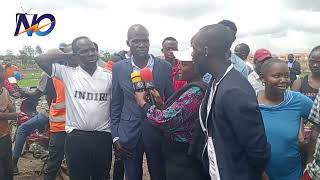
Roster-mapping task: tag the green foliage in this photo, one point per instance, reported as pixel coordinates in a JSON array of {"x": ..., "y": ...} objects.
[
  {"x": 38, "y": 50},
  {"x": 27, "y": 55},
  {"x": 28, "y": 82},
  {"x": 106, "y": 56}
]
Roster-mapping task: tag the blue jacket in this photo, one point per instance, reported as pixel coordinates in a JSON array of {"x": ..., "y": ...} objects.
[{"x": 128, "y": 120}]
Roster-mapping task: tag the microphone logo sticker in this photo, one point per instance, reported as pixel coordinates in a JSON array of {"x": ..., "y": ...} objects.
[{"x": 140, "y": 85}]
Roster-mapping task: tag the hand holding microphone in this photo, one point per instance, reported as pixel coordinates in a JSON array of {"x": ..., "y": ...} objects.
[
  {"x": 137, "y": 82},
  {"x": 139, "y": 88},
  {"x": 147, "y": 78}
]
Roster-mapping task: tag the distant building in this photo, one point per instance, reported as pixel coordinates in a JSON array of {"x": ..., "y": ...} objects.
[{"x": 301, "y": 57}]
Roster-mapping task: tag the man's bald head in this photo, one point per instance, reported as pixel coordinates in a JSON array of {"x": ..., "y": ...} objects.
[
  {"x": 213, "y": 40},
  {"x": 137, "y": 30},
  {"x": 138, "y": 41}
]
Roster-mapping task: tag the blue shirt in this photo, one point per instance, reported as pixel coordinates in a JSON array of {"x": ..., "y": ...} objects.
[
  {"x": 239, "y": 65},
  {"x": 282, "y": 124}
]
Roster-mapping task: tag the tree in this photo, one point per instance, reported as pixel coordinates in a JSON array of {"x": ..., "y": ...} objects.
[
  {"x": 105, "y": 56},
  {"x": 27, "y": 55},
  {"x": 38, "y": 50},
  {"x": 9, "y": 55}
]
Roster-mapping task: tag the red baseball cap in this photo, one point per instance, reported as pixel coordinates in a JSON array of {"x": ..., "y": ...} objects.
[{"x": 261, "y": 55}]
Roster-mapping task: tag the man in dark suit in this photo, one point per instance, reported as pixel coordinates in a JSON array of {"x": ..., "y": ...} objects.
[
  {"x": 234, "y": 141},
  {"x": 132, "y": 134},
  {"x": 294, "y": 67}
]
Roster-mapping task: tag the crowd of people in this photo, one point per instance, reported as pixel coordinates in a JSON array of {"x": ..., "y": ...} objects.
[{"x": 202, "y": 113}]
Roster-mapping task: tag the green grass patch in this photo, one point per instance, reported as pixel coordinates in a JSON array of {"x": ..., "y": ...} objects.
[
  {"x": 28, "y": 82},
  {"x": 32, "y": 75}
]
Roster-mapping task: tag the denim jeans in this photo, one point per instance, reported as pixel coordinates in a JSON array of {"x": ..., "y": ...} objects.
[{"x": 26, "y": 129}]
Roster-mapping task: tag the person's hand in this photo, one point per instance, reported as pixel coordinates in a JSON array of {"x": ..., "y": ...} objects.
[
  {"x": 265, "y": 176},
  {"x": 119, "y": 148},
  {"x": 21, "y": 93},
  {"x": 157, "y": 98},
  {"x": 141, "y": 98}
]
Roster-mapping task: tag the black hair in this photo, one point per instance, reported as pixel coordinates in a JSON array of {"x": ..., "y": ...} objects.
[
  {"x": 315, "y": 50},
  {"x": 216, "y": 37},
  {"x": 267, "y": 64},
  {"x": 244, "y": 47},
  {"x": 75, "y": 41},
  {"x": 229, "y": 24},
  {"x": 169, "y": 39},
  {"x": 121, "y": 55},
  {"x": 290, "y": 55}
]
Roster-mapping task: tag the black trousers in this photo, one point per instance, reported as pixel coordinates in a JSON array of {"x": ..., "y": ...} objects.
[
  {"x": 6, "y": 170},
  {"x": 88, "y": 154},
  {"x": 181, "y": 166},
  {"x": 56, "y": 155}
]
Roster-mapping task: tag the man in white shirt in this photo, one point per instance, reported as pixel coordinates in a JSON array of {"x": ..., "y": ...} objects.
[
  {"x": 260, "y": 56},
  {"x": 88, "y": 146}
]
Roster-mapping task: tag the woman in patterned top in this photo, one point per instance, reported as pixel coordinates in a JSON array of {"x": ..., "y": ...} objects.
[{"x": 177, "y": 119}]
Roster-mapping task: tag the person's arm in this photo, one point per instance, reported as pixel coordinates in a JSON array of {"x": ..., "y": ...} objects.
[
  {"x": 296, "y": 86},
  {"x": 314, "y": 115},
  {"x": 306, "y": 105},
  {"x": 246, "y": 121},
  {"x": 116, "y": 103},
  {"x": 116, "y": 108},
  {"x": 8, "y": 116},
  {"x": 245, "y": 72},
  {"x": 175, "y": 115},
  {"x": 11, "y": 114},
  {"x": 296, "y": 68},
  {"x": 45, "y": 61},
  {"x": 37, "y": 93}
]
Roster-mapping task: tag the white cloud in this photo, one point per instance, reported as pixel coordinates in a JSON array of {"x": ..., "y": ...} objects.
[{"x": 279, "y": 25}]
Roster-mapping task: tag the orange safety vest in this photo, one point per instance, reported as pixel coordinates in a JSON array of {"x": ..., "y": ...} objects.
[{"x": 57, "y": 114}]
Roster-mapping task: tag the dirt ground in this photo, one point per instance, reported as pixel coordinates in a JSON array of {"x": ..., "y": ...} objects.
[{"x": 30, "y": 168}]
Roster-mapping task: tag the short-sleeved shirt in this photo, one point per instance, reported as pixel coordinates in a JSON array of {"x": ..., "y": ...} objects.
[
  {"x": 43, "y": 107},
  {"x": 87, "y": 98},
  {"x": 5, "y": 102},
  {"x": 239, "y": 65},
  {"x": 43, "y": 82},
  {"x": 313, "y": 168},
  {"x": 256, "y": 82},
  {"x": 282, "y": 124}
]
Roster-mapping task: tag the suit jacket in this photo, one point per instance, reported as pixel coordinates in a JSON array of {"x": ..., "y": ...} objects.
[
  {"x": 128, "y": 120},
  {"x": 295, "y": 70},
  {"x": 236, "y": 126}
]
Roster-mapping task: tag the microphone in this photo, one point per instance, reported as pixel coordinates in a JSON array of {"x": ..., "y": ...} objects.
[
  {"x": 137, "y": 82},
  {"x": 147, "y": 77}
]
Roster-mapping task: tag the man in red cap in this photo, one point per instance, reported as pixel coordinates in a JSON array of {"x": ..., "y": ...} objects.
[{"x": 260, "y": 56}]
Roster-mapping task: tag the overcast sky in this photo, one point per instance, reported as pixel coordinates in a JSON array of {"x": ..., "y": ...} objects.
[{"x": 279, "y": 25}]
